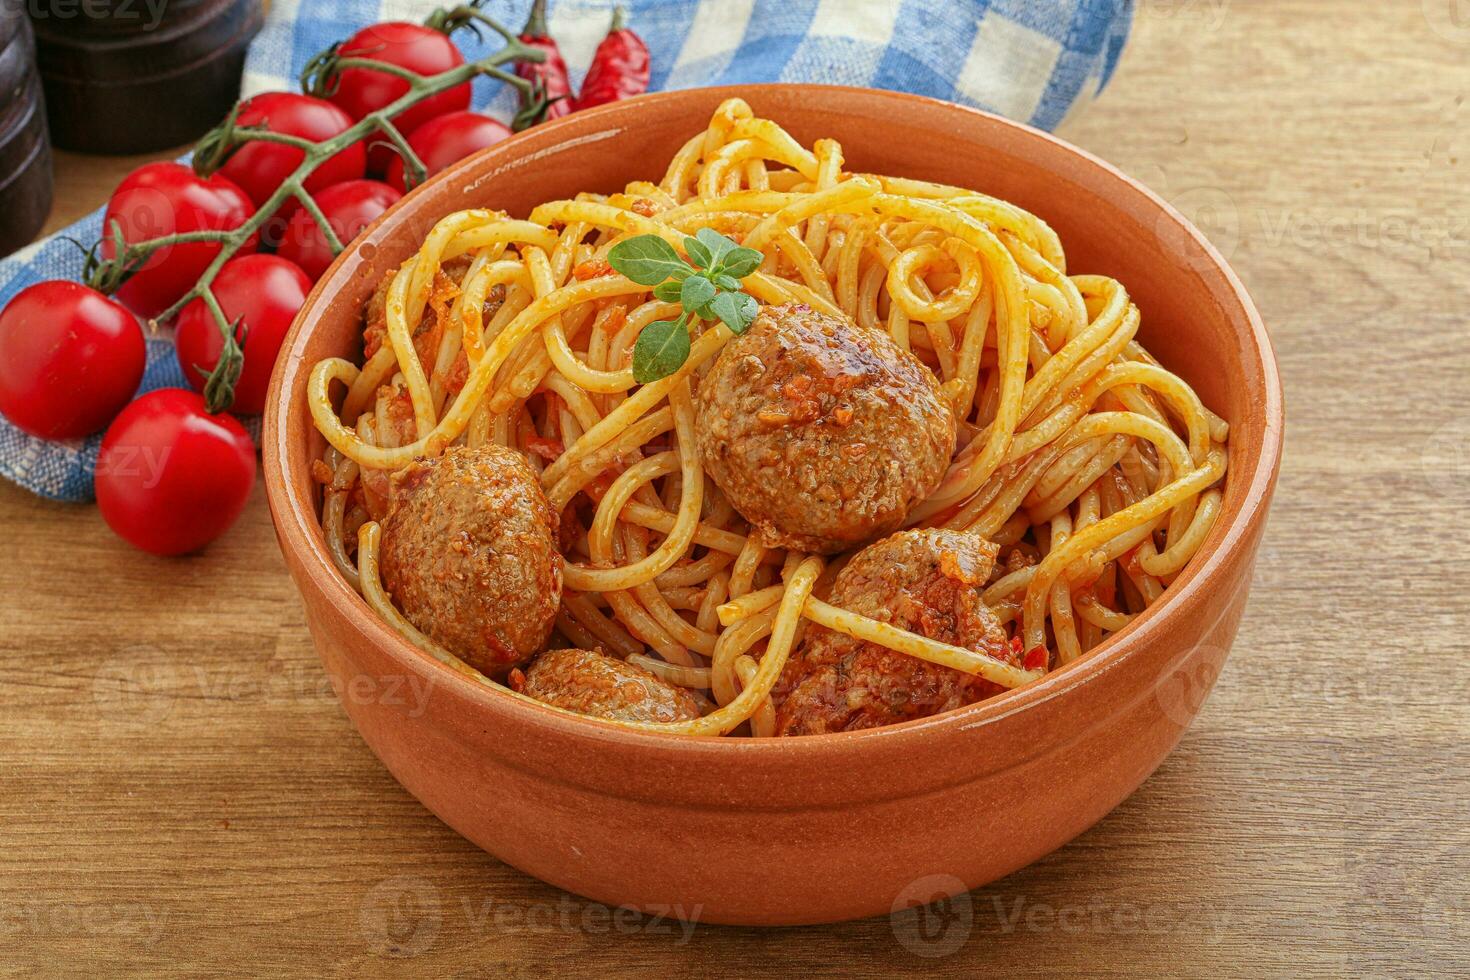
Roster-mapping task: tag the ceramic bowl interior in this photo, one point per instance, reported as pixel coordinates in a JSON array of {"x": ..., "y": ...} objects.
[
  {"x": 1196, "y": 319},
  {"x": 1229, "y": 363}
]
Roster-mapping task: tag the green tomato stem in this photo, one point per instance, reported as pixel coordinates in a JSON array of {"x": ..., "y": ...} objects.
[
  {"x": 328, "y": 232},
  {"x": 217, "y": 145},
  {"x": 414, "y": 171}
]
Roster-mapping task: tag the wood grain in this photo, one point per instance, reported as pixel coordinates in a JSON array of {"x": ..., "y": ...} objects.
[{"x": 182, "y": 794}]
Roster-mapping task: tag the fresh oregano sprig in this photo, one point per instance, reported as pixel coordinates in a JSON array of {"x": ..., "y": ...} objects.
[{"x": 707, "y": 287}]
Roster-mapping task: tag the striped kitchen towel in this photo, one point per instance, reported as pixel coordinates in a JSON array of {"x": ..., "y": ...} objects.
[{"x": 1031, "y": 60}]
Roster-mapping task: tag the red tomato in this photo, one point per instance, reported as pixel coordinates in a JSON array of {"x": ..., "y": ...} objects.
[
  {"x": 70, "y": 359},
  {"x": 263, "y": 292},
  {"x": 259, "y": 168},
  {"x": 166, "y": 198},
  {"x": 171, "y": 477},
  {"x": 413, "y": 46},
  {"x": 448, "y": 139},
  {"x": 349, "y": 208}
]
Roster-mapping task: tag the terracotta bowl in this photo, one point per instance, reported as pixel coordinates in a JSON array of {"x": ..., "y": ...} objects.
[{"x": 831, "y": 827}]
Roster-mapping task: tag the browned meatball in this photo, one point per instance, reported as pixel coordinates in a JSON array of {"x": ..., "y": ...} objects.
[
  {"x": 927, "y": 582},
  {"x": 821, "y": 433},
  {"x": 469, "y": 554},
  {"x": 593, "y": 684}
]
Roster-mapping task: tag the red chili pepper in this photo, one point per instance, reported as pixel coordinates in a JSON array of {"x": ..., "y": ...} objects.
[
  {"x": 619, "y": 68},
  {"x": 1036, "y": 658},
  {"x": 553, "y": 95}
]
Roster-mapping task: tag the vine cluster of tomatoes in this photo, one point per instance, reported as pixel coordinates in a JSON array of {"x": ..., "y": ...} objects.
[{"x": 225, "y": 252}]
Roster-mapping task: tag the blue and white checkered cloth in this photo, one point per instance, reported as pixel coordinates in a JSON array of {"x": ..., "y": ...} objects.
[{"x": 1031, "y": 60}]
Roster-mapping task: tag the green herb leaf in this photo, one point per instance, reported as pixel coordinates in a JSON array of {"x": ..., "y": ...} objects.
[
  {"x": 737, "y": 310},
  {"x": 717, "y": 245},
  {"x": 661, "y": 349},
  {"x": 669, "y": 291},
  {"x": 698, "y": 254},
  {"x": 695, "y": 294},
  {"x": 741, "y": 262},
  {"x": 646, "y": 259},
  {"x": 729, "y": 283}
]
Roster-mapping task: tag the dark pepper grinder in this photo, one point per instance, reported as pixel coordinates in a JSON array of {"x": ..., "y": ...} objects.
[
  {"x": 25, "y": 154},
  {"x": 134, "y": 76}
]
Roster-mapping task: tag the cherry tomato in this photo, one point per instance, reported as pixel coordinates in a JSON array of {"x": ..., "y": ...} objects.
[
  {"x": 413, "y": 46},
  {"x": 70, "y": 359},
  {"x": 166, "y": 198},
  {"x": 349, "y": 208},
  {"x": 259, "y": 167},
  {"x": 171, "y": 477},
  {"x": 264, "y": 292},
  {"x": 448, "y": 139}
]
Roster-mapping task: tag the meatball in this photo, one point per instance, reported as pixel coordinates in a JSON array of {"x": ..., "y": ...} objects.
[
  {"x": 469, "y": 554},
  {"x": 925, "y": 581},
  {"x": 821, "y": 433},
  {"x": 593, "y": 684}
]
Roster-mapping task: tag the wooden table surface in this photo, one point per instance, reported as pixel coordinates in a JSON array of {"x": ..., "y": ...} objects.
[{"x": 180, "y": 792}]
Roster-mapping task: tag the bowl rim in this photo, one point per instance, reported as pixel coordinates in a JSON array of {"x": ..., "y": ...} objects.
[{"x": 298, "y": 525}]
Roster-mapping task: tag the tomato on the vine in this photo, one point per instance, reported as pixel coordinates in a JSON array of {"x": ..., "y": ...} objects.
[
  {"x": 70, "y": 359},
  {"x": 260, "y": 167},
  {"x": 348, "y": 208},
  {"x": 166, "y": 198},
  {"x": 264, "y": 293},
  {"x": 171, "y": 477},
  {"x": 413, "y": 46},
  {"x": 448, "y": 139}
]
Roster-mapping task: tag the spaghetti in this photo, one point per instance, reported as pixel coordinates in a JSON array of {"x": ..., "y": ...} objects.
[{"x": 1094, "y": 469}]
